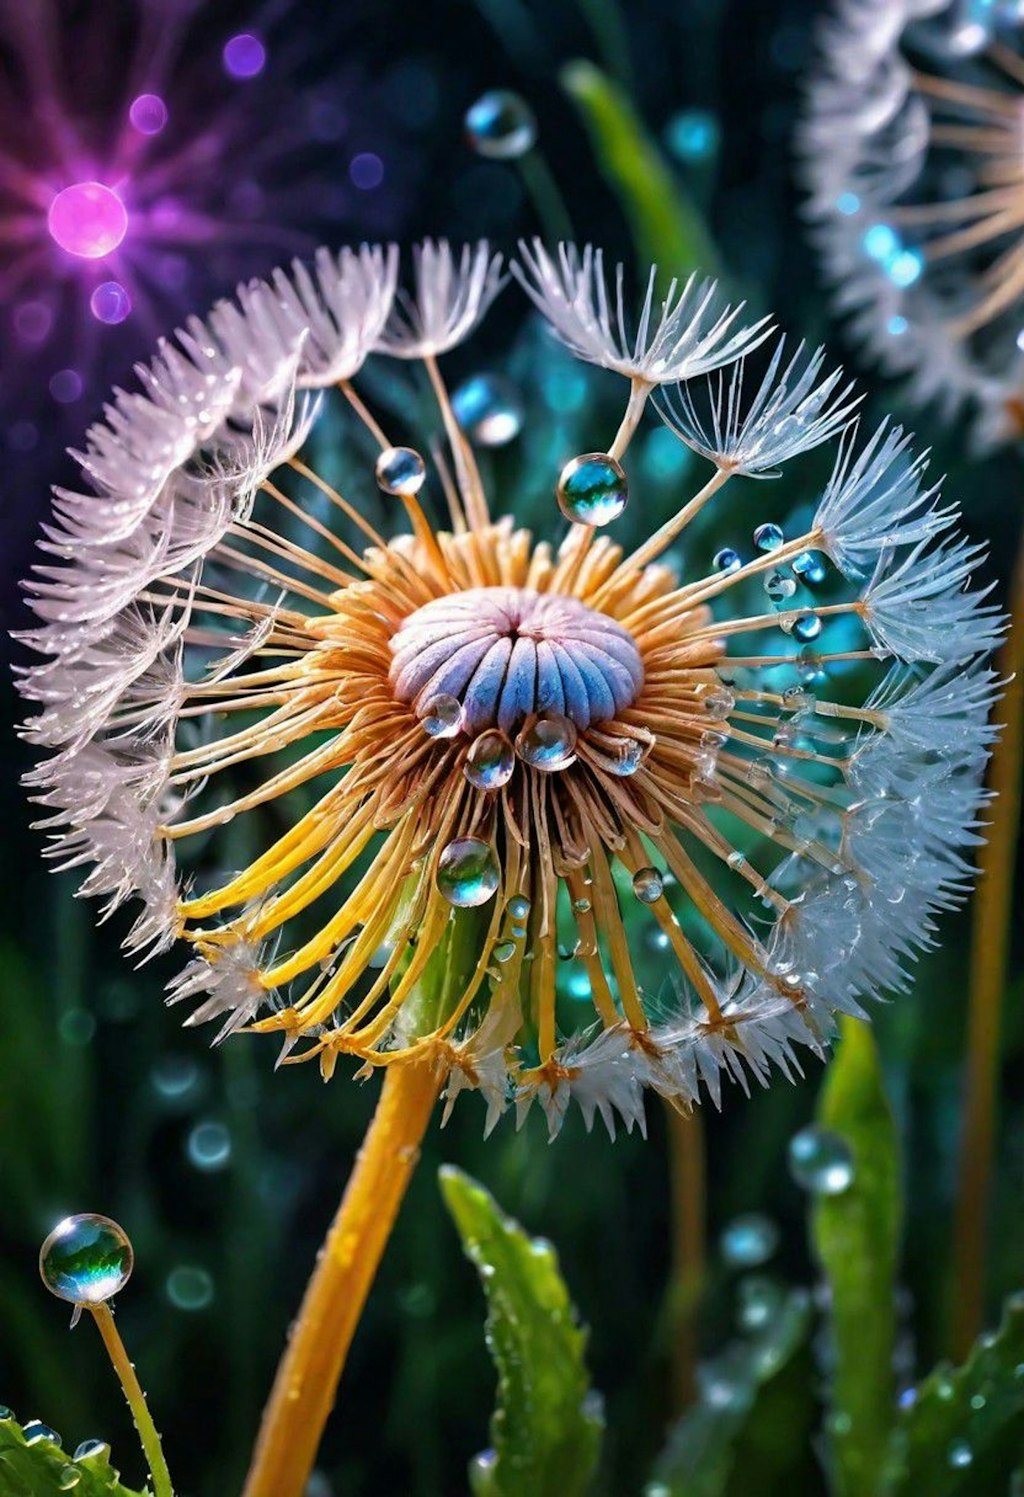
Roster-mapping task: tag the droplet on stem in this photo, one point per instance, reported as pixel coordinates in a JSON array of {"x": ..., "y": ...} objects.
[
  {"x": 592, "y": 489},
  {"x": 86, "y": 1259}
]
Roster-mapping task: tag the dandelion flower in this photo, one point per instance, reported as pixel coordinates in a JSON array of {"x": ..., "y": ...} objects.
[
  {"x": 503, "y": 752},
  {"x": 912, "y": 153}
]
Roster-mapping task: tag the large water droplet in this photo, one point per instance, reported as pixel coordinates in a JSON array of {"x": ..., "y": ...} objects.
[
  {"x": 467, "y": 872},
  {"x": 749, "y": 1240},
  {"x": 820, "y": 1161},
  {"x": 400, "y": 470},
  {"x": 806, "y": 627},
  {"x": 489, "y": 409},
  {"x": 648, "y": 885},
  {"x": 86, "y": 1259},
  {"x": 592, "y": 489},
  {"x": 441, "y": 716},
  {"x": 36, "y": 1433},
  {"x": 768, "y": 537},
  {"x": 500, "y": 125},
  {"x": 490, "y": 761},
  {"x": 548, "y": 743}
]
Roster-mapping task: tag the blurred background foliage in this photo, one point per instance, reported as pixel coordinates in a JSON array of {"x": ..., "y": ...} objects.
[{"x": 665, "y": 133}]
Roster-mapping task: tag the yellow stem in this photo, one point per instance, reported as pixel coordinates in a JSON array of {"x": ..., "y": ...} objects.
[
  {"x": 308, "y": 1373},
  {"x": 993, "y": 907},
  {"x": 151, "y": 1446},
  {"x": 687, "y": 1184}
]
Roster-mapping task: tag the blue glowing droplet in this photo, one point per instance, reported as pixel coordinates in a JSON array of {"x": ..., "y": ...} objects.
[
  {"x": 244, "y": 56},
  {"x": 820, "y": 1161},
  {"x": 727, "y": 560},
  {"x": 86, "y": 1259},
  {"x": 897, "y": 325},
  {"x": 467, "y": 872},
  {"x": 806, "y": 627},
  {"x": 110, "y": 303},
  {"x": 489, "y": 409},
  {"x": 904, "y": 268},
  {"x": 881, "y": 242},
  {"x": 768, "y": 537},
  {"x": 209, "y": 1146},
  {"x": 518, "y": 907},
  {"x": 189, "y": 1287},
  {"x": 175, "y": 1076},
  {"x": 400, "y": 470},
  {"x": 500, "y": 125},
  {"x": 779, "y": 586},
  {"x": 38, "y": 1433},
  {"x": 592, "y": 489},
  {"x": 810, "y": 567},
  {"x": 490, "y": 761},
  {"x": 848, "y": 203},
  {"x": 648, "y": 885},
  {"x": 547, "y": 743},
  {"x": 959, "y": 1455},
  {"x": 749, "y": 1240},
  {"x": 692, "y": 135},
  {"x": 95, "y": 1451}
]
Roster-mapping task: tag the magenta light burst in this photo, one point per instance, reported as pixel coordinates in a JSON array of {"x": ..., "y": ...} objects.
[{"x": 155, "y": 152}]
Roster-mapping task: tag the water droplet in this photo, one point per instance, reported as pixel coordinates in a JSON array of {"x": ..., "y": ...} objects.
[
  {"x": 5, "y": 1413},
  {"x": 504, "y": 951},
  {"x": 648, "y": 885},
  {"x": 489, "y": 409},
  {"x": 189, "y": 1287},
  {"x": 548, "y": 743},
  {"x": 490, "y": 761},
  {"x": 806, "y": 627},
  {"x": 779, "y": 587},
  {"x": 69, "y": 1479},
  {"x": 628, "y": 758},
  {"x": 718, "y": 702},
  {"x": 400, "y": 470},
  {"x": 810, "y": 567},
  {"x": 820, "y": 1161},
  {"x": 751, "y": 1239},
  {"x": 86, "y": 1259},
  {"x": 209, "y": 1146},
  {"x": 500, "y": 125},
  {"x": 518, "y": 907},
  {"x": 959, "y": 1455},
  {"x": 110, "y": 303},
  {"x": 768, "y": 537},
  {"x": 467, "y": 872},
  {"x": 581, "y": 906},
  {"x": 35, "y": 1431},
  {"x": 441, "y": 716},
  {"x": 759, "y": 1301},
  {"x": 726, "y": 560},
  {"x": 482, "y": 1464},
  {"x": 592, "y": 489},
  {"x": 96, "y": 1451}
]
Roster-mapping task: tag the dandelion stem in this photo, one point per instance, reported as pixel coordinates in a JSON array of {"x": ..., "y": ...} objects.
[
  {"x": 687, "y": 1180},
  {"x": 307, "y": 1376},
  {"x": 148, "y": 1436},
  {"x": 993, "y": 907}
]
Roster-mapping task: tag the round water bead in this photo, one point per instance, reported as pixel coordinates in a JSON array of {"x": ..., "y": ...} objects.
[
  {"x": 36, "y": 1432},
  {"x": 748, "y": 1240},
  {"x": 592, "y": 489},
  {"x": 629, "y": 756},
  {"x": 500, "y": 125},
  {"x": 467, "y": 872},
  {"x": 504, "y": 951},
  {"x": 518, "y": 907},
  {"x": 727, "y": 560},
  {"x": 810, "y": 567},
  {"x": 806, "y": 627},
  {"x": 92, "y": 1450},
  {"x": 400, "y": 470},
  {"x": 69, "y": 1479},
  {"x": 820, "y": 1161},
  {"x": 779, "y": 587},
  {"x": 86, "y": 1259},
  {"x": 5, "y": 1413},
  {"x": 441, "y": 716},
  {"x": 489, "y": 409},
  {"x": 768, "y": 537},
  {"x": 548, "y": 743},
  {"x": 490, "y": 761},
  {"x": 648, "y": 885}
]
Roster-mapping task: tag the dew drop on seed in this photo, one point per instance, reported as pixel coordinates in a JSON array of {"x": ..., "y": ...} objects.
[
  {"x": 500, "y": 125},
  {"x": 467, "y": 872},
  {"x": 548, "y": 743},
  {"x": 768, "y": 537},
  {"x": 86, "y": 1259},
  {"x": 648, "y": 885},
  {"x": 806, "y": 627},
  {"x": 592, "y": 489},
  {"x": 727, "y": 560},
  {"x": 518, "y": 907},
  {"x": 810, "y": 567},
  {"x": 441, "y": 716},
  {"x": 490, "y": 760},
  {"x": 400, "y": 470},
  {"x": 749, "y": 1240},
  {"x": 820, "y": 1161}
]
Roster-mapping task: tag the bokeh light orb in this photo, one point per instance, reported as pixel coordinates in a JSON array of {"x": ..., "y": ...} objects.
[
  {"x": 87, "y": 220},
  {"x": 110, "y": 302},
  {"x": 148, "y": 114},
  {"x": 244, "y": 55}
]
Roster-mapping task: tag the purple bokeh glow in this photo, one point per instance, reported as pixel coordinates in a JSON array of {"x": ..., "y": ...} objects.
[
  {"x": 110, "y": 302},
  {"x": 244, "y": 55},
  {"x": 148, "y": 114},
  {"x": 87, "y": 219}
]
